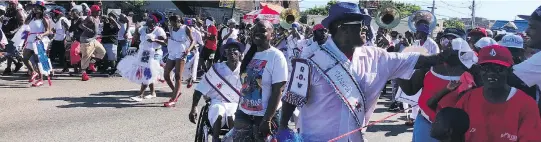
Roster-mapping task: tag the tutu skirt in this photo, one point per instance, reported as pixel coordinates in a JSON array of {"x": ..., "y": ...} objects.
[{"x": 141, "y": 68}]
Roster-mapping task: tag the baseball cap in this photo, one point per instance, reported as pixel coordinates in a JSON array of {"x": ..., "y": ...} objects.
[
  {"x": 484, "y": 42},
  {"x": 481, "y": 31},
  {"x": 318, "y": 27},
  {"x": 512, "y": 41},
  {"x": 496, "y": 54},
  {"x": 456, "y": 32},
  {"x": 95, "y": 8}
]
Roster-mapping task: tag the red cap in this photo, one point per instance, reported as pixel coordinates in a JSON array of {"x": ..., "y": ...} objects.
[
  {"x": 317, "y": 27},
  {"x": 95, "y": 8},
  {"x": 496, "y": 54},
  {"x": 479, "y": 30}
]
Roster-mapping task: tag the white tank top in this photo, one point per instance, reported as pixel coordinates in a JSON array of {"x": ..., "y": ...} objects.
[
  {"x": 178, "y": 38},
  {"x": 36, "y": 27}
]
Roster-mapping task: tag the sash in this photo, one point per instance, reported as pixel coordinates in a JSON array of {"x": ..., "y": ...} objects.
[
  {"x": 222, "y": 86},
  {"x": 298, "y": 86},
  {"x": 342, "y": 81}
]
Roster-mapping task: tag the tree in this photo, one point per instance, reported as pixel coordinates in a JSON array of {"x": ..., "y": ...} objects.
[
  {"x": 320, "y": 10},
  {"x": 453, "y": 23},
  {"x": 405, "y": 9}
]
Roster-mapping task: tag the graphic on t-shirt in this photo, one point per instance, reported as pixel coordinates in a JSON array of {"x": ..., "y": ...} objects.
[{"x": 251, "y": 87}]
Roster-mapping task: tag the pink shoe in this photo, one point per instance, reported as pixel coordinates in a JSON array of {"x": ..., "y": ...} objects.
[
  {"x": 92, "y": 67},
  {"x": 172, "y": 102},
  {"x": 33, "y": 77},
  {"x": 37, "y": 83},
  {"x": 85, "y": 77}
]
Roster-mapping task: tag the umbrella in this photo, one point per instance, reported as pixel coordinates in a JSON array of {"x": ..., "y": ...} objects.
[{"x": 268, "y": 12}]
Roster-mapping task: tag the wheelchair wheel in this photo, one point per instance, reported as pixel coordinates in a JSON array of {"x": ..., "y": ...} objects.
[{"x": 203, "y": 128}]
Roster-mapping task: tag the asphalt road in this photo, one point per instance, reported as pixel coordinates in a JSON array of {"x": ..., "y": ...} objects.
[{"x": 100, "y": 110}]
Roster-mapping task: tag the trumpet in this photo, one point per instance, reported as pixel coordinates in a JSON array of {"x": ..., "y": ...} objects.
[{"x": 388, "y": 17}]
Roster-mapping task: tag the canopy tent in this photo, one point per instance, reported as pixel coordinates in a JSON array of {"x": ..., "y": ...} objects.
[{"x": 268, "y": 12}]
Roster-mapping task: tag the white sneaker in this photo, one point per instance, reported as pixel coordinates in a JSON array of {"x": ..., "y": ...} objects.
[{"x": 137, "y": 98}]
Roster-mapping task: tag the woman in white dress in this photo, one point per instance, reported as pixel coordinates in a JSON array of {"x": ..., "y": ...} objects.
[
  {"x": 38, "y": 30},
  {"x": 179, "y": 43},
  {"x": 144, "y": 67}
]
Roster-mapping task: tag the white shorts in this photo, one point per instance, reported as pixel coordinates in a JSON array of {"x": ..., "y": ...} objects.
[{"x": 223, "y": 109}]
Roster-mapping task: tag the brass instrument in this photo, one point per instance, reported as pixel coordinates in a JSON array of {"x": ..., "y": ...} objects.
[
  {"x": 423, "y": 15},
  {"x": 287, "y": 18},
  {"x": 388, "y": 17},
  {"x": 276, "y": 40}
]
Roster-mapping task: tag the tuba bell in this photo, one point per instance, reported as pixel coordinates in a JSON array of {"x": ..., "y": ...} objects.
[
  {"x": 422, "y": 16},
  {"x": 388, "y": 17},
  {"x": 289, "y": 15}
]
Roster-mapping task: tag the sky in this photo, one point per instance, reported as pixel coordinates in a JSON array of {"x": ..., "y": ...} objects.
[{"x": 490, "y": 9}]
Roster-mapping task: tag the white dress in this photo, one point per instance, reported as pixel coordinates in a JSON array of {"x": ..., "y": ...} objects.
[
  {"x": 144, "y": 67},
  {"x": 177, "y": 43}
]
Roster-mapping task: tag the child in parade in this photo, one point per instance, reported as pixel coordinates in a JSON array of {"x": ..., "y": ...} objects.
[
  {"x": 450, "y": 125},
  {"x": 144, "y": 68}
]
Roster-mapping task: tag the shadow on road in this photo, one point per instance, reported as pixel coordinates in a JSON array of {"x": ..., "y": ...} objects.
[
  {"x": 392, "y": 130},
  {"x": 105, "y": 99}
]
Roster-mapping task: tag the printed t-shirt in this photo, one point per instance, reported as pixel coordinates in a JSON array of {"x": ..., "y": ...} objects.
[
  {"x": 433, "y": 83},
  {"x": 266, "y": 68},
  {"x": 211, "y": 44},
  {"x": 517, "y": 119}
]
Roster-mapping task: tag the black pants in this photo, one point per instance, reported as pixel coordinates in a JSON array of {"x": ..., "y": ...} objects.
[
  {"x": 58, "y": 52},
  {"x": 204, "y": 60}
]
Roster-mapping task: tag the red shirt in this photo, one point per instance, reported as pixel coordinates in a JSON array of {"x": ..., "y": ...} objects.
[
  {"x": 515, "y": 120},
  {"x": 211, "y": 44},
  {"x": 432, "y": 85}
]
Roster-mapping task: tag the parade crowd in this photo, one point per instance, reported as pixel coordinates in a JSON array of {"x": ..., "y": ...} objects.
[{"x": 472, "y": 85}]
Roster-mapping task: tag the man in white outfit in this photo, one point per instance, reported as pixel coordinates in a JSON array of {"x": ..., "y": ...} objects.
[{"x": 222, "y": 85}]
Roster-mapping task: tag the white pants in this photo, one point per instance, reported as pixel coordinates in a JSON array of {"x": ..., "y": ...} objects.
[
  {"x": 190, "y": 67},
  {"x": 222, "y": 109}
]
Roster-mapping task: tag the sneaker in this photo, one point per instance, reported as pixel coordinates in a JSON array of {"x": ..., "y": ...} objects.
[
  {"x": 190, "y": 83},
  {"x": 136, "y": 98},
  {"x": 153, "y": 95},
  {"x": 17, "y": 67},
  {"x": 85, "y": 77},
  {"x": 37, "y": 83},
  {"x": 92, "y": 67}
]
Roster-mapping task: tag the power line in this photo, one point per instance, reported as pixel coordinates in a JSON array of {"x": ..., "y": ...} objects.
[{"x": 452, "y": 5}]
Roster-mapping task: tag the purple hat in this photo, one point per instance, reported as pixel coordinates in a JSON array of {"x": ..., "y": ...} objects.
[
  {"x": 423, "y": 28},
  {"x": 536, "y": 15},
  {"x": 343, "y": 10},
  {"x": 231, "y": 41}
]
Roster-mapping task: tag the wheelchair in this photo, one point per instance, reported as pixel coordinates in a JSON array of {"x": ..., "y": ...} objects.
[{"x": 204, "y": 127}]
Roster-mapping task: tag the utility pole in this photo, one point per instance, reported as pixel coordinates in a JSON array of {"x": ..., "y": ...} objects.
[
  {"x": 473, "y": 14},
  {"x": 433, "y": 6}
]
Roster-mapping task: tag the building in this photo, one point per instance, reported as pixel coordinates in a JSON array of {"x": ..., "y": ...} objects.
[{"x": 229, "y": 8}]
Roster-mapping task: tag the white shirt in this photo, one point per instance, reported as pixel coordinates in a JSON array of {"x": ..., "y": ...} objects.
[
  {"x": 320, "y": 116},
  {"x": 269, "y": 67},
  {"x": 157, "y": 32},
  {"x": 529, "y": 71},
  {"x": 122, "y": 31},
  {"x": 197, "y": 36},
  {"x": 233, "y": 77},
  {"x": 430, "y": 45},
  {"x": 60, "y": 32},
  {"x": 234, "y": 34}
]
